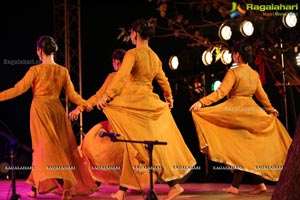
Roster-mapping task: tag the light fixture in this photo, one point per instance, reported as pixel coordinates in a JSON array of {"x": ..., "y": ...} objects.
[
  {"x": 298, "y": 59},
  {"x": 289, "y": 19},
  {"x": 235, "y": 28},
  {"x": 225, "y": 31},
  {"x": 246, "y": 28},
  {"x": 215, "y": 85},
  {"x": 226, "y": 57},
  {"x": 173, "y": 62},
  {"x": 207, "y": 57}
]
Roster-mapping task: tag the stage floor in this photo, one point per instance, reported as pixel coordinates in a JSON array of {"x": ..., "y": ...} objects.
[{"x": 201, "y": 191}]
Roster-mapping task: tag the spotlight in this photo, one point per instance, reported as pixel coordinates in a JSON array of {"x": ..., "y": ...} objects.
[
  {"x": 207, "y": 57},
  {"x": 226, "y": 57},
  {"x": 246, "y": 28},
  {"x": 298, "y": 59},
  {"x": 231, "y": 28},
  {"x": 173, "y": 62},
  {"x": 289, "y": 19},
  {"x": 225, "y": 32}
]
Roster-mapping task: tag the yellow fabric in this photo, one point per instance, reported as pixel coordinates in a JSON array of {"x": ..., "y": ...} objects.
[
  {"x": 105, "y": 157},
  {"x": 55, "y": 153},
  {"x": 238, "y": 132},
  {"x": 138, "y": 114},
  {"x": 94, "y": 99}
]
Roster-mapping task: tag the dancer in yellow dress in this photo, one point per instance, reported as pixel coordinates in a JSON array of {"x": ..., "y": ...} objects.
[
  {"x": 55, "y": 155},
  {"x": 103, "y": 156},
  {"x": 137, "y": 113},
  {"x": 238, "y": 132},
  {"x": 97, "y": 151}
]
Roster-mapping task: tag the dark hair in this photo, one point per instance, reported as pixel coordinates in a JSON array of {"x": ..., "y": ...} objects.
[
  {"x": 47, "y": 44},
  {"x": 118, "y": 54},
  {"x": 143, "y": 27},
  {"x": 244, "y": 48}
]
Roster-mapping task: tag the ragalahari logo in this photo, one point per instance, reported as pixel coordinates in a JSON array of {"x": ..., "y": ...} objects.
[
  {"x": 272, "y": 7},
  {"x": 268, "y": 9},
  {"x": 236, "y": 10}
]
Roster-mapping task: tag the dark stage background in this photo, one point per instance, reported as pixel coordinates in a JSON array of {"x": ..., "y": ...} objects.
[{"x": 22, "y": 22}]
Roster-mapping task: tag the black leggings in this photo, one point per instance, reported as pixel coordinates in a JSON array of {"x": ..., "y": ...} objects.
[
  {"x": 123, "y": 188},
  {"x": 173, "y": 182},
  {"x": 238, "y": 176}
]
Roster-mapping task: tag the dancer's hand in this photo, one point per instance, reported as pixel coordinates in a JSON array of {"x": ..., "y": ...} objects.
[
  {"x": 275, "y": 112},
  {"x": 102, "y": 103},
  {"x": 196, "y": 106},
  {"x": 89, "y": 107},
  {"x": 73, "y": 115},
  {"x": 171, "y": 103}
]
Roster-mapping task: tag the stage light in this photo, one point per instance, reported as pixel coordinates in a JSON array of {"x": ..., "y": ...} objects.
[
  {"x": 298, "y": 59},
  {"x": 207, "y": 57},
  {"x": 173, "y": 62},
  {"x": 215, "y": 85},
  {"x": 246, "y": 28},
  {"x": 226, "y": 57},
  {"x": 215, "y": 53},
  {"x": 235, "y": 28},
  {"x": 225, "y": 31},
  {"x": 289, "y": 19}
]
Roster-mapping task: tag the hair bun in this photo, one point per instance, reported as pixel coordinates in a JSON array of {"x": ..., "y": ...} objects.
[{"x": 47, "y": 44}]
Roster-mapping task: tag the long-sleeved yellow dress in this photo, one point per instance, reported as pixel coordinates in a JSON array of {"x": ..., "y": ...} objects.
[
  {"x": 55, "y": 154},
  {"x": 137, "y": 113},
  {"x": 238, "y": 132},
  {"x": 103, "y": 156}
]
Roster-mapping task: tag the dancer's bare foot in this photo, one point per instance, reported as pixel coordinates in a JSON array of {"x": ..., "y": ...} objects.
[
  {"x": 259, "y": 189},
  {"x": 231, "y": 190},
  {"x": 66, "y": 195},
  {"x": 31, "y": 194},
  {"x": 119, "y": 195},
  {"x": 174, "y": 192}
]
